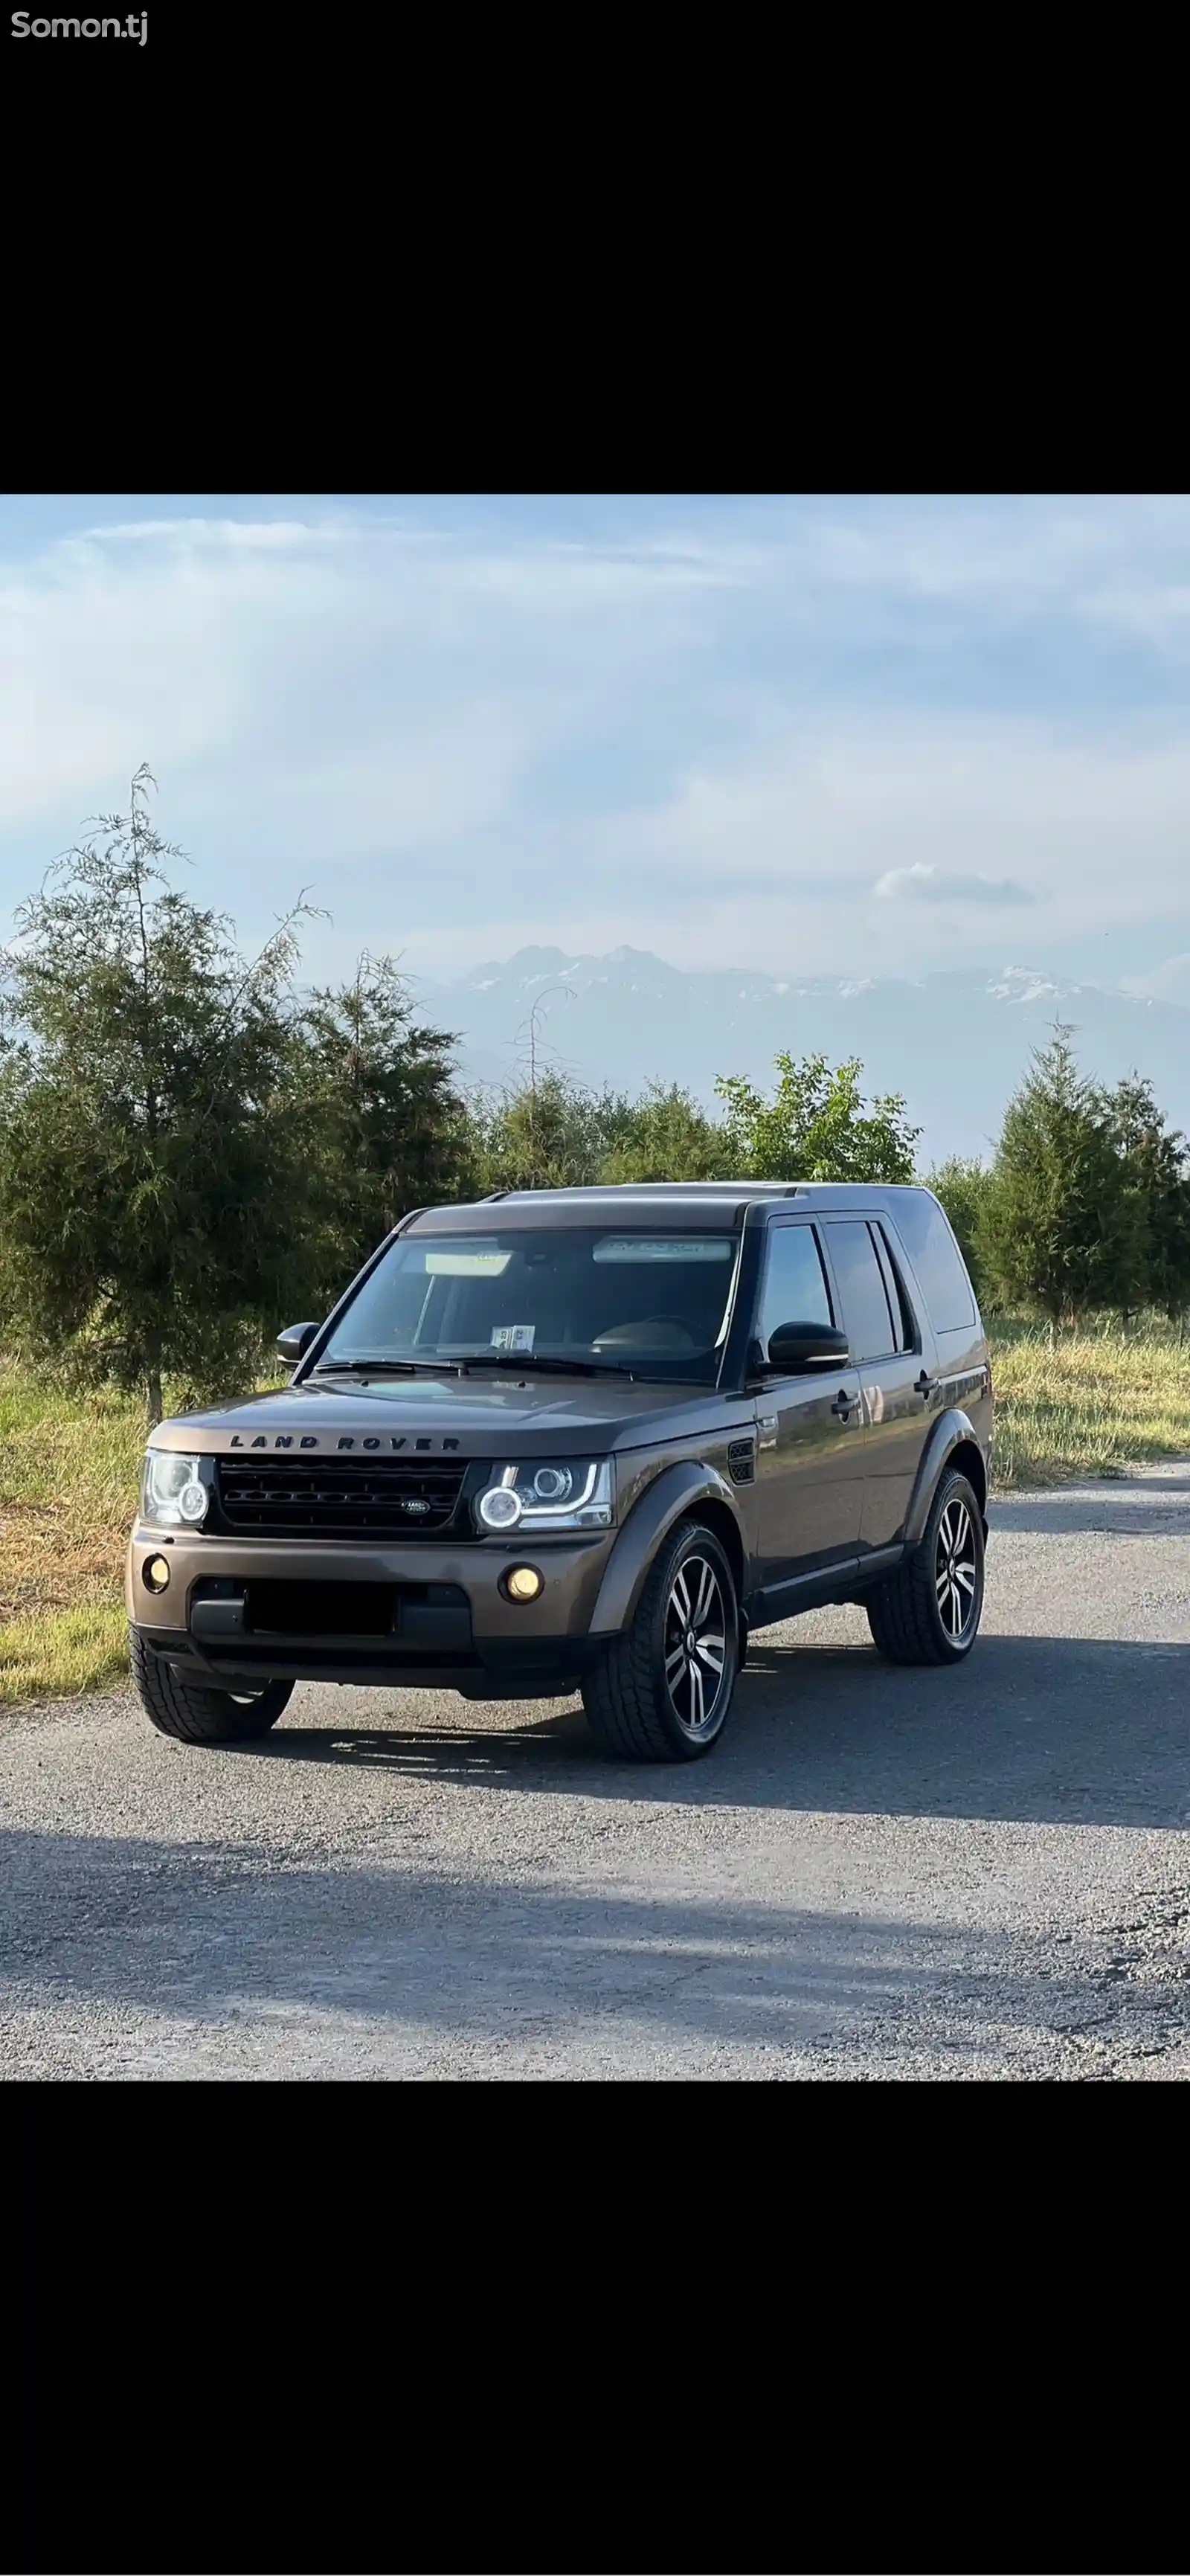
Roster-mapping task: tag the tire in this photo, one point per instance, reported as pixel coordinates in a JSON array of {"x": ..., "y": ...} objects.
[
  {"x": 643, "y": 1693},
  {"x": 180, "y": 1707},
  {"x": 914, "y": 1614}
]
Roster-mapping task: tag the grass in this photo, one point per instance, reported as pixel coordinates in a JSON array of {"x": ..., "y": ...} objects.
[
  {"x": 69, "y": 1467},
  {"x": 68, "y": 1479},
  {"x": 1092, "y": 1406}
]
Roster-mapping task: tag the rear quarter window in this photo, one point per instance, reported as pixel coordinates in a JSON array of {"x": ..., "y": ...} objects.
[{"x": 937, "y": 1261}]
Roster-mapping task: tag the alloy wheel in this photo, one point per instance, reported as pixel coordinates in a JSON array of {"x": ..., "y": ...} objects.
[
  {"x": 956, "y": 1572},
  {"x": 696, "y": 1646}
]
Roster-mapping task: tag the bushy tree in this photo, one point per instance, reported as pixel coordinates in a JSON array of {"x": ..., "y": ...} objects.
[
  {"x": 815, "y": 1127},
  {"x": 666, "y": 1136}
]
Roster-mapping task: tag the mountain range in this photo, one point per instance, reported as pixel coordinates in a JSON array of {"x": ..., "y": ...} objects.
[{"x": 956, "y": 1043}]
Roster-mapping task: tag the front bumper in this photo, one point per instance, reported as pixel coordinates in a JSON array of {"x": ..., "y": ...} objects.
[{"x": 487, "y": 1647}]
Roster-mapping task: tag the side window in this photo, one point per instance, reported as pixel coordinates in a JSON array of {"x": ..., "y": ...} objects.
[
  {"x": 867, "y": 1320},
  {"x": 795, "y": 1289},
  {"x": 937, "y": 1260},
  {"x": 904, "y": 1320}
]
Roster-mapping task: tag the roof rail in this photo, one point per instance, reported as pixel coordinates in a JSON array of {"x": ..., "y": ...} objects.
[{"x": 610, "y": 1189}]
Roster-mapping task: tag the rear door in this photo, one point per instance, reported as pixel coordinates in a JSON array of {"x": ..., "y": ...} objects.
[
  {"x": 809, "y": 1463},
  {"x": 886, "y": 1342}
]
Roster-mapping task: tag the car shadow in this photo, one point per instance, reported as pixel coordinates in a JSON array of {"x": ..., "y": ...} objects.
[{"x": 1030, "y": 1730}]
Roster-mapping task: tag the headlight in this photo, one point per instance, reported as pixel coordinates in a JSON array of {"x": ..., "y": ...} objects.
[
  {"x": 559, "y": 1494},
  {"x": 173, "y": 1493}
]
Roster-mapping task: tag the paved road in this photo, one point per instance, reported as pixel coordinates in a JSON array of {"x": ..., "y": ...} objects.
[{"x": 880, "y": 1873}]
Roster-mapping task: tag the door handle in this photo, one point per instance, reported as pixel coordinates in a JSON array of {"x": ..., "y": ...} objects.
[
  {"x": 923, "y": 1386},
  {"x": 844, "y": 1403}
]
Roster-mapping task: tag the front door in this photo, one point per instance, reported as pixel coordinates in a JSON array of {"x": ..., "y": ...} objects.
[
  {"x": 886, "y": 1343},
  {"x": 809, "y": 1450}
]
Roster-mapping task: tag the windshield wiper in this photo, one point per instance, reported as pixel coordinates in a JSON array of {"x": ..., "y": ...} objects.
[
  {"x": 391, "y": 1368},
  {"x": 512, "y": 1361}
]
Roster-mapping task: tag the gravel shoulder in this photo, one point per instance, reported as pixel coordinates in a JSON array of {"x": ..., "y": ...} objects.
[{"x": 879, "y": 1873}]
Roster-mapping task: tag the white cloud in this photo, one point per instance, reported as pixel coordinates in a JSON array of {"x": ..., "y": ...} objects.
[
  {"x": 251, "y": 535},
  {"x": 919, "y": 884},
  {"x": 466, "y": 744},
  {"x": 1169, "y": 982},
  {"x": 770, "y": 857},
  {"x": 1118, "y": 562},
  {"x": 347, "y": 655}
]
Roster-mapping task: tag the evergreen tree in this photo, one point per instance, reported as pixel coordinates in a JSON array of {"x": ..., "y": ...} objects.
[
  {"x": 385, "y": 1129},
  {"x": 965, "y": 1187},
  {"x": 147, "y": 1161},
  {"x": 1061, "y": 1234},
  {"x": 1156, "y": 1174},
  {"x": 548, "y": 1134}
]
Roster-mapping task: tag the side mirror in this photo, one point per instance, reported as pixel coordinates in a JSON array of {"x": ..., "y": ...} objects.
[
  {"x": 794, "y": 1347},
  {"x": 298, "y": 1339}
]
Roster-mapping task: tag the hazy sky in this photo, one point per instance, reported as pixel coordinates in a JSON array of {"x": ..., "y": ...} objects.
[{"x": 852, "y": 735}]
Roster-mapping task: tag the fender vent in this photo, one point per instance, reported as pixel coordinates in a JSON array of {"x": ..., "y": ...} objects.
[{"x": 741, "y": 1461}]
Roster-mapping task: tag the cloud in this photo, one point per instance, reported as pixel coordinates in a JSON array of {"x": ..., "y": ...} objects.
[
  {"x": 921, "y": 884},
  {"x": 325, "y": 688},
  {"x": 769, "y": 847},
  {"x": 1169, "y": 982},
  {"x": 711, "y": 730},
  {"x": 1114, "y": 568}
]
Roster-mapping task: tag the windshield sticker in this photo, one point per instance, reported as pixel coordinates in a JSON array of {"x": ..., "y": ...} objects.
[
  {"x": 467, "y": 1265},
  {"x": 681, "y": 1247},
  {"x": 513, "y": 1337}
]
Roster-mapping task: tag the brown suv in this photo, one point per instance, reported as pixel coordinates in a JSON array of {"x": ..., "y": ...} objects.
[{"x": 583, "y": 1440}]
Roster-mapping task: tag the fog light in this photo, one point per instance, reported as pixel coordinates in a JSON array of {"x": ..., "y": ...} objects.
[
  {"x": 155, "y": 1573},
  {"x": 524, "y": 1583}
]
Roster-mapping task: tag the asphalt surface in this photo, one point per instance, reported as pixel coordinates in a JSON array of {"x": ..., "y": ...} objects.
[{"x": 879, "y": 1873}]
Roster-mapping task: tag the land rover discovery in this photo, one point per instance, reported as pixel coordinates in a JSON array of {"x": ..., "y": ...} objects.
[{"x": 582, "y": 1440}]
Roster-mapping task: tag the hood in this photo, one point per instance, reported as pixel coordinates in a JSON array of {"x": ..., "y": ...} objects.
[{"x": 471, "y": 1417}]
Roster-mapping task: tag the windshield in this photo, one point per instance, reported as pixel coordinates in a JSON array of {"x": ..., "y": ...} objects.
[{"x": 654, "y": 1303}]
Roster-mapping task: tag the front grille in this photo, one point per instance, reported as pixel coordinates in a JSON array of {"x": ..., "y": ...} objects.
[{"x": 399, "y": 1498}]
